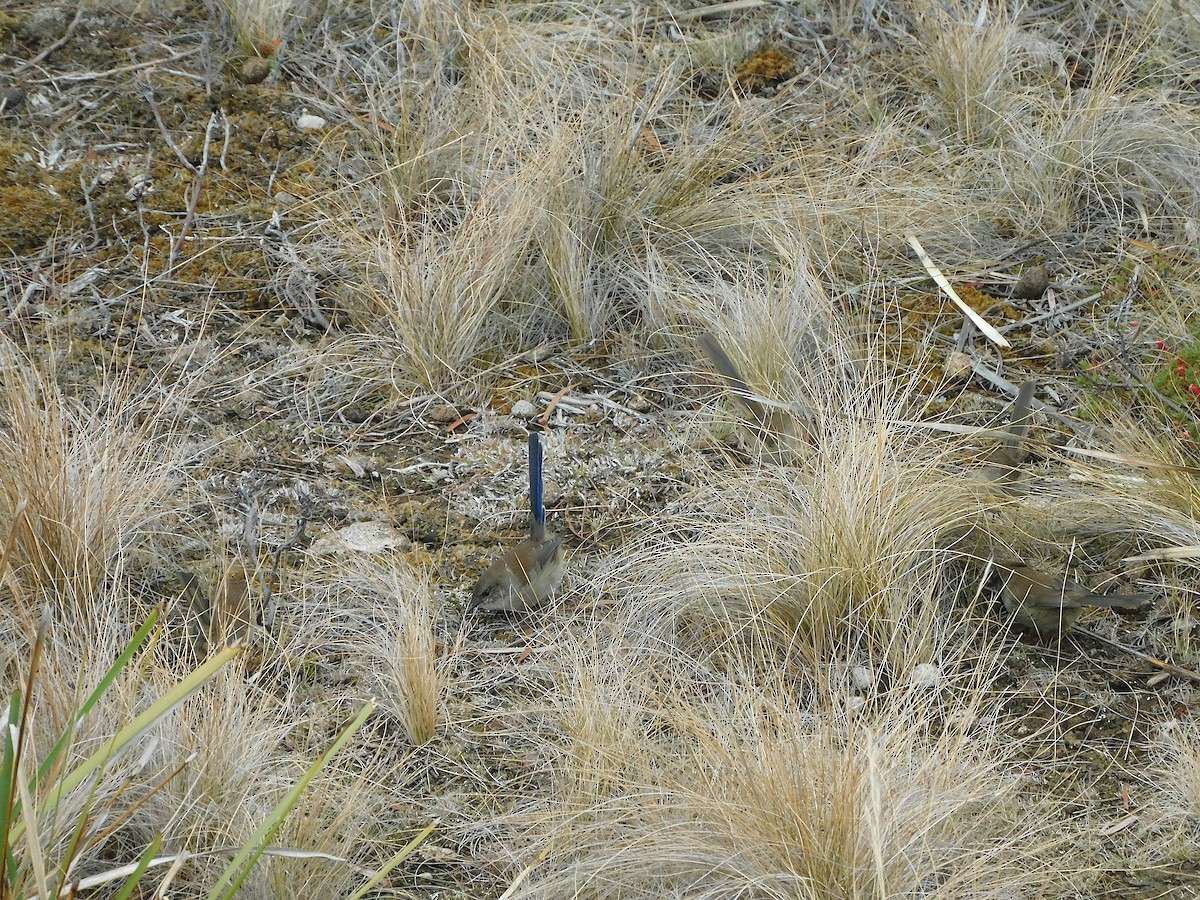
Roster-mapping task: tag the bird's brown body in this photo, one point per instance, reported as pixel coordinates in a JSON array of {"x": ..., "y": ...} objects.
[
  {"x": 527, "y": 575},
  {"x": 523, "y": 578},
  {"x": 778, "y": 429},
  {"x": 1001, "y": 465},
  {"x": 1050, "y": 604}
]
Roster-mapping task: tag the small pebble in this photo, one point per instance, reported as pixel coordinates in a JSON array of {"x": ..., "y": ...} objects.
[
  {"x": 255, "y": 71},
  {"x": 862, "y": 677},
  {"x": 523, "y": 409},
  {"x": 309, "y": 122},
  {"x": 926, "y": 675},
  {"x": 957, "y": 365},
  {"x": 640, "y": 404},
  {"x": 442, "y": 414},
  {"x": 1032, "y": 284},
  {"x": 11, "y": 98}
]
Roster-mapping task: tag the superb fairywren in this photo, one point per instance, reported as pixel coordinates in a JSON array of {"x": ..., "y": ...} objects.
[
  {"x": 778, "y": 429},
  {"x": 527, "y": 575},
  {"x": 1050, "y": 604}
]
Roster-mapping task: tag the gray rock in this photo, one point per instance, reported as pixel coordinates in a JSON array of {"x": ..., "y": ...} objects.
[
  {"x": 11, "y": 98},
  {"x": 45, "y": 26}
]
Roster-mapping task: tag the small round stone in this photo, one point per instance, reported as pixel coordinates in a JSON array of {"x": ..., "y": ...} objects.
[
  {"x": 254, "y": 70},
  {"x": 926, "y": 675},
  {"x": 1032, "y": 284},
  {"x": 862, "y": 677},
  {"x": 957, "y": 365},
  {"x": 11, "y": 98},
  {"x": 309, "y": 122}
]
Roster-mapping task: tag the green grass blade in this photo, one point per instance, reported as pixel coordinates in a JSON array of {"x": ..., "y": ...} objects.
[
  {"x": 106, "y": 682},
  {"x": 143, "y": 864},
  {"x": 33, "y": 843},
  {"x": 8, "y": 788},
  {"x": 393, "y": 862},
  {"x": 140, "y": 724},
  {"x": 239, "y": 867}
]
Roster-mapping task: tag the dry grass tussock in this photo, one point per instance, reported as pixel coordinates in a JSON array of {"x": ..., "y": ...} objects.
[
  {"x": 88, "y": 483},
  {"x": 206, "y": 778},
  {"x": 85, "y": 480},
  {"x": 520, "y": 181},
  {"x": 716, "y": 785},
  {"x": 1177, "y": 779},
  {"x": 793, "y": 689},
  {"x": 857, "y": 543},
  {"x": 559, "y": 183},
  {"x": 238, "y": 750},
  {"x": 383, "y": 612}
]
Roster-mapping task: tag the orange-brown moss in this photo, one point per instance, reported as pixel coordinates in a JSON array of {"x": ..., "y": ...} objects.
[
  {"x": 33, "y": 205},
  {"x": 764, "y": 69}
]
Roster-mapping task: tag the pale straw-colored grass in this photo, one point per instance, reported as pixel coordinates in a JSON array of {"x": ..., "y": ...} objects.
[
  {"x": 382, "y": 612},
  {"x": 82, "y": 481},
  {"x": 670, "y": 783}
]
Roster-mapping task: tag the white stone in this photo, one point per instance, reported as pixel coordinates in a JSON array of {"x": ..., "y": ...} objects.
[
  {"x": 309, "y": 122},
  {"x": 926, "y": 675},
  {"x": 361, "y": 537},
  {"x": 862, "y": 677}
]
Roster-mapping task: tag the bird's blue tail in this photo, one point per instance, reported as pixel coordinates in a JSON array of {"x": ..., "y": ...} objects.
[{"x": 537, "y": 506}]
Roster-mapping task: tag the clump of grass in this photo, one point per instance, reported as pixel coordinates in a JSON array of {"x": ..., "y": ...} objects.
[
  {"x": 386, "y": 616},
  {"x": 440, "y": 232},
  {"x": 261, "y": 24},
  {"x": 241, "y": 755},
  {"x": 70, "y": 786},
  {"x": 409, "y": 672},
  {"x": 1116, "y": 153},
  {"x": 967, "y": 58},
  {"x": 1178, "y": 779},
  {"x": 651, "y": 194},
  {"x": 849, "y": 547},
  {"x": 79, "y": 482},
  {"x": 667, "y": 786}
]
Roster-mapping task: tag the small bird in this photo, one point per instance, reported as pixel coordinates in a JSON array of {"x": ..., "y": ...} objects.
[
  {"x": 218, "y": 618},
  {"x": 527, "y": 575},
  {"x": 1001, "y": 464},
  {"x": 1049, "y": 604}
]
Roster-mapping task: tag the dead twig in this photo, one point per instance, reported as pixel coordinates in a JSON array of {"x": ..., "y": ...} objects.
[
  {"x": 200, "y": 172},
  {"x": 1169, "y": 668},
  {"x": 270, "y": 602},
  {"x": 1050, "y": 314},
  {"x": 948, "y": 289},
  {"x": 62, "y": 40},
  {"x": 544, "y": 420},
  {"x": 148, "y": 93},
  {"x": 121, "y": 70}
]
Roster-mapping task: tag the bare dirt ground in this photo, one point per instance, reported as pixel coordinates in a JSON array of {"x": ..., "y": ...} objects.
[{"x": 157, "y": 203}]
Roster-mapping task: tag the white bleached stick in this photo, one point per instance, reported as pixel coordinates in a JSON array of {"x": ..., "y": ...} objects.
[{"x": 988, "y": 331}]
